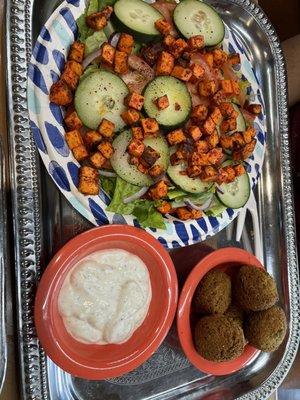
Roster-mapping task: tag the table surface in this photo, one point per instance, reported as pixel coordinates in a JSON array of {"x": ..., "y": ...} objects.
[{"x": 290, "y": 389}]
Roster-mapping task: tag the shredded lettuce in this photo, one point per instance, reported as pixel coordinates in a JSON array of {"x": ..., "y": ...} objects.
[
  {"x": 94, "y": 42},
  {"x": 143, "y": 210},
  {"x": 84, "y": 31},
  {"x": 147, "y": 215},
  {"x": 123, "y": 189},
  {"x": 178, "y": 195},
  {"x": 108, "y": 185},
  {"x": 216, "y": 208}
]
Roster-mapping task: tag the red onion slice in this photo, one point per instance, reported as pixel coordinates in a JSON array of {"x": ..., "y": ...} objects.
[
  {"x": 114, "y": 38},
  {"x": 90, "y": 58},
  {"x": 136, "y": 195},
  {"x": 108, "y": 174},
  {"x": 138, "y": 64},
  {"x": 203, "y": 207}
]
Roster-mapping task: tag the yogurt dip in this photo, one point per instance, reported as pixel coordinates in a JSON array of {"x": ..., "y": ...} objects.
[{"x": 105, "y": 297}]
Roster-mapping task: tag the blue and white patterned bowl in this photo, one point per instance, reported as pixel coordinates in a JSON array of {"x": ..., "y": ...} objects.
[{"x": 46, "y": 120}]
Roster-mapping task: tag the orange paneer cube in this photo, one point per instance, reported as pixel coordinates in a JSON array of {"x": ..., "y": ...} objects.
[
  {"x": 76, "y": 52},
  {"x": 199, "y": 112},
  {"x": 97, "y": 160},
  {"x": 165, "y": 63},
  {"x": 107, "y": 54},
  {"x": 73, "y": 139},
  {"x": 176, "y": 137},
  {"x": 121, "y": 62},
  {"x": 181, "y": 73},
  {"x": 194, "y": 132},
  {"x": 207, "y": 88},
  {"x": 80, "y": 153},
  {"x": 196, "y": 42},
  {"x": 150, "y": 126},
  {"x": 134, "y": 100},
  {"x": 96, "y": 21},
  {"x": 106, "y": 128},
  {"x": 92, "y": 139},
  {"x": 131, "y": 116},
  {"x": 125, "y": 43},
  {"x": 137, "y": 132},
  {"x": 197, "y": 73},
  {"x": 162, "y": 102},
  {"x": 163, "y": 26}
]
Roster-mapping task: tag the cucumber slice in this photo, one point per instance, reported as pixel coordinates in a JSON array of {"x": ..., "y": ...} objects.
[
  {"x": 130, "y": 173},
  {"x": 193, "y": 17},
  {"x": 101, "y": 95},
  {"x": 240, "y": 121},
  {"x": 190, "y": 185},
  {"x": 137, "y": 18},
  {"x": 237, "y": 193},
  {"x": 180, "y": 102}
]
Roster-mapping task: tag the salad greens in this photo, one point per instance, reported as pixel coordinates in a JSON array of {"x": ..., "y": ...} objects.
[
  {"x": 94, "y": 42},
  {"x": 108, "y": 185},
  {"x": 143, "y": 210},
  {"x": 84, "y": 31}
]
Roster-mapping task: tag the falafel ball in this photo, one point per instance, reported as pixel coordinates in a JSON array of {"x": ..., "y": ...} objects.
[
  {"x": 255, "y": 289},
  {"x": 266, "y": 329},
  {"x": 235, "y": 313},
  {"x": 218, "y": 338},
  {"x": 213, "y": 294}
]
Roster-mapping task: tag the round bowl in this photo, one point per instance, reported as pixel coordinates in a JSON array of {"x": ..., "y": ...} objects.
[
  {"x": 227, "y": 260},
  {"x": 90, "y": 361}
]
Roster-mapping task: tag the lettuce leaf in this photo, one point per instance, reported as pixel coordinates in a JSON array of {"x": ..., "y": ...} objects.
[
  {"x": 83, "y": 30},
  {"x": 178, "y": 195},
  {"x": 123, "y": 189},
  {"x": 216, "y": 208},
  {"x": 147, "y": 215},
  {"x": 143, "y": 210},
  {"x": 94, "y": 42},
  {"x": 108, "y": 185}
]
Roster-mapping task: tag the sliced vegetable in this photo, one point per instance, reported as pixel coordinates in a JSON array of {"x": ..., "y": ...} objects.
[
  {"x": 236, "y": 193},
  {"x": 190, "y": 185},
  {"x": 136, "y": 195},
  {"x": 101, "y": 95},
  {"x": 137, "y": 18},
  {"x": 180, "y": 103},
  {"x": 193, "y": 17},
  {"x": 108, "y": 174},
  {"x": 240, "y": 121},
  {"x": 143, "y": 210},
  {"x": 108, "y": 185},
  {"x": 93, "y": 42},
  {"x": 130, "y": 173},
  {"x": 216, "y": 207}
]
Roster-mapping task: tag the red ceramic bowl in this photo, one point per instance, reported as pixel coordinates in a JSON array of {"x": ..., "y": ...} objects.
[
  {"x": 106, "y": 361},
  {"x": 227, "y": 259}
]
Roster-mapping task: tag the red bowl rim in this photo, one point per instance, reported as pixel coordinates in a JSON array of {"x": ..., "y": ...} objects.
[
  {"x": 47, "y": 283},
  {"x": 212, "y": 260}
]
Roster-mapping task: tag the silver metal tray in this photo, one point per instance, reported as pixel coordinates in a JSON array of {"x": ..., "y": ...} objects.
[
  {"x": 43, "y": 222},
  {"x": 3, "y": 265}
]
